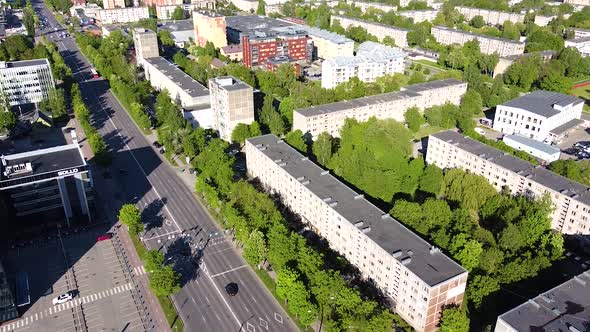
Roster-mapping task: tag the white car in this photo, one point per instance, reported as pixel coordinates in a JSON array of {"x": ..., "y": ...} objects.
[{"x": 63, "y": 298}]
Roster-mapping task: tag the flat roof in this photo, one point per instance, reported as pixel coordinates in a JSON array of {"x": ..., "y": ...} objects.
[
  {"x": 566, "y": 126},
  {"x": 563, "y": 308},
  {"x": 336, "y": 17},
  {"x": 249, "y": 23},
  {"x": 428, "y": 263},
  {"x": 516, "y": 42},
  {"x": 24, "y": 63},
  {"x": 325, "y": 34},
  {"x": 533, "y": 143},
  {"x": 180, "y": 78},
  {"x": 406, "y": 92},
  {"x": 542, "y": 102},
  {"x": 491, "y": 10},
  {"x": 230, "y": 83},
  {"x": 173, "y": 26},
  {"x": 43, "y": 161},
  {"x": 575, "y": 190},
  {"x": 369, "y": 52}
]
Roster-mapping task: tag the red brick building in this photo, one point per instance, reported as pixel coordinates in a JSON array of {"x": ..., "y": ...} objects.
[
  {"x": 273, "y": 64},
  {"x": 258, "y": 48}
]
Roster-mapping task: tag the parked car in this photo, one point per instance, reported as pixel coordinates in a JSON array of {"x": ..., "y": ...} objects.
[
  {"x": 231, "y": 289},
  {"x": 63, "y": 298},
  {"x": 104, "y": 237},
  {"x": 157, "y": 144}
]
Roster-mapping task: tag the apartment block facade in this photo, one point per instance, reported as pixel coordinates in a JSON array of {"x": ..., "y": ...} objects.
[
  {"x": 492, "y": 17},
  {"x": 540, "y": 115},
  {"x": 112, "y": 4},
  {"x": 157, "y": 3},
  {"x": 330, "y": 117},
  {"x": 364, "y": 6},
  {"x": 487, "y": 44},
  {"x": 416, "y": 276},
  {"x": 26, "y": 82},
  {"x": 372, "y": 60},
  {"x": 578, "y": 2},
  {"x": 399, "y": 35},
  {"x": 329, "y": 44},
  {"x": 420, "y": 15},
  {"x": 123, "y": 15},
  {"x": 257, "y": 48},
  {"x": 165, "y": 12},
  {"x": 209, "y": 27},
  {"x": 232, "y": 103},
  {"x": 581, "y": 44},
  {"x": 571, "y": 200},
  {"x": 146, "y": 45}
]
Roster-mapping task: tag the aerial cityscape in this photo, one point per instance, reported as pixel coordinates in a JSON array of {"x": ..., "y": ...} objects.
[{"x": 295, "y": 165}]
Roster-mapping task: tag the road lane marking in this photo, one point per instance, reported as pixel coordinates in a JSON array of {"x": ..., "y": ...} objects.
[
  {"x": 228, "y": 271},
  {"x": 222, "y": 297},
  {"x": 161, "y": 235}
]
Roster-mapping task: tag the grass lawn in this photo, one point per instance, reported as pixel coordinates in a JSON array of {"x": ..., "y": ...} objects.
[
  {"x": 430, "y": 63},
  {"x": 426, "y": 130},
  {"x": 584, "y": 93}
]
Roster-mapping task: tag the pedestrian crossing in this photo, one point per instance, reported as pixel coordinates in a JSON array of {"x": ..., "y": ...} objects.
[
  {"x": 139, "y": 270},
  {"x": 24, "y": 321}
]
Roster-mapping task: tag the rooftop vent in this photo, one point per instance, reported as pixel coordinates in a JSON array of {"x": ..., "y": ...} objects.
[
  {"x": 580, "y": 280},
  {"x": 278, "y": 160},
  {"x": 259, "y": 145},
  {"x": 564, "y": 191},
  {"x": 324, "y": 173},
  {"x": 359, "y": 223},
  {"x": 280, "y": 141},
  {"x": 283, "y": 164},
  {"x": 305, "y": 183},
  {"x": 327, "y": 199},
  {"x": 397, "y": 253},
  {"x": 574, "y": 196},
  {"x": 262, "y": 148},
  {"x": 573, "y": 329},
  {"x": 17, "y": 169},
  {"x": 304, "y": 159},
  {"x": 545, "y": 298},
  {"x": 384, "y": 216},
  {"x": 556, "y": 311},
  {"x": 534, "y": 304},
  {"x": 359, "y": 196},
  {"x": 300, "y": 178},
  {"x": 434, "y": 250},
  {"x": 366, "y": 229},
  {"x": 333, "y": 204},
  {"x": 406, "y": 260}
]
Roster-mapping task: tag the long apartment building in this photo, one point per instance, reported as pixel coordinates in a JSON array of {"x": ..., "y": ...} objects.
[
  {"x": 330, "y": 117},
  {"x": 372, "y": 60},
  {"x": 399, "y": 35},
  {"x": 420, "y": 15},
  {"x": 112, "y": 4},
  {"x": 123, "y": 15},
  {"x": 562, "y": 308},
  {"x": 156, "y": 3},
  {"x": 26, "y": 82},
  {"x": 211, "y": 27},
  {"x": 417, "y": 277},
  {"x": 328, "y": 44},
  {"x": 492, "y": 17},
  {"x": 571, "y": 200},
  {"x": 232, "y": 103},
  {"x": 364, "y": 6},
  {"x": 165, "y": 12},
  {"x": 487, "y": 44},
  {"x": 541, "y": 115}
]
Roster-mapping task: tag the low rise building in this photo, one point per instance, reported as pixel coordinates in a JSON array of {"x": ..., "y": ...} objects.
[
  {"x": 581, "y": 44},
  {"x": 248, "y": 6},
  {"x": 543, "y": 21},
  {"x": 209, "y": 27},
  {"x": 364, "y": 6},
  {"x": 430, "y": 3},
  {"x": 570, "y": 199},
  {"x": 420, "y": 15},
  {"x": 540, "y": 115},
  {"x": 85, "y": 12},
  {"x": 291, "y": 42},
  {"x": 54, "y": 183},
  {"x": 372, "y": 60},
  {"x": 274, "y": 63},
  {"x": 112, "y": 4},
  {"x": 487, "y": 44},
  {"x": 233, "y": 52},
  {"x": 123, "y": 15},
  {"x": 330, "y": 117},
  {"x": 416, "y": 276},
  {"x": 182, "y": 88},
  {"x": 232, "y": 103},
  {"x": 543, "y": 151},
  {"x": 158, "y": 3},
  {"x": 166, "y": 12},
  {"x": 182, "y": 31},
  {"x": 563, "y": 308},
  {"x": 578, "y": 2},
  {"x": 505, "y": 62},
  {"x": 492, "y": 17},
  {"x": 26, "y": 82},
  {"x": 399, "y": 35},
  {"x": 329, "y": 44}
]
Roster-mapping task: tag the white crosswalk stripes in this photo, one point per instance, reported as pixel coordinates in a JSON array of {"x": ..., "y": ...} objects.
[
  {"x": 139, "y": 270},
  {"x": 24, "y": 321}
]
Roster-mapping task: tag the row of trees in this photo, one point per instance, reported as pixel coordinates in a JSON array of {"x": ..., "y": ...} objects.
[{"x": 164, "y": 281}]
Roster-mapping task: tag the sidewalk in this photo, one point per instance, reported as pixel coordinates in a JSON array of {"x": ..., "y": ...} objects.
[{"x": 157, "y": 317}]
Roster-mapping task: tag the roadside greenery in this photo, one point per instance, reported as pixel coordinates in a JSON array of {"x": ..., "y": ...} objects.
[
  {"x": 578, "y": 171},
  {"x": 7, "y": 121},
  {"x": 130, "y": 216}
]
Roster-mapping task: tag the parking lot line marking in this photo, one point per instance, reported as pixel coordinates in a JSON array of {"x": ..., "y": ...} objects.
[
  {"x": 36, "y": 317},
  {"x": 50, "y": 310},
  {"x": 235, "y": 268}
]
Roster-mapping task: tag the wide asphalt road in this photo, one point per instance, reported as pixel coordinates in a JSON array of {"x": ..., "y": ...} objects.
[{"x": 142, "y": 177}]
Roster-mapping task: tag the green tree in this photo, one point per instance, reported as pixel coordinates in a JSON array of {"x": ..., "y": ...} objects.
[
  {"x": 432, "y": 180},
  {"x": 323, "y": 148},
  {"x": 57, "y": 103},
  {"x": 130, "y": 216},
  {"x": 454, "y": 320},
  {"x": 165, "y": 281},
  {"x": 178, "y": 13},
  {"x": 240, "y": 133},
  {"x": 166, "y": 38},
  {"x": 255, "y": 248},
  {"x": 295, "y": 139},
  {"x": 261, "y": 9},
  {"x": 153, "y": 260},
  {"x": 270, "y": 118},
  {"x": 7, "y": 121},
  {"x": 477, "y": 22},
  {"x": 556, "y": 81},
  {"x": 413, "y": 119},
  {"x": 479, "y": 288},
  {"x": 471, "y": 103},
  {"x": 29, "y": 21}
]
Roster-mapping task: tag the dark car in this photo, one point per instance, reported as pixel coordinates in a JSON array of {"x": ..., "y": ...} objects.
[
  {"x": 231, "y": 289},
  {"x": 157, "y": 145},
  {"x": 162, "y": 151}
]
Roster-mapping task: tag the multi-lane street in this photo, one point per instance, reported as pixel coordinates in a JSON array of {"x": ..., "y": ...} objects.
[{"x": 175, "y": 219}]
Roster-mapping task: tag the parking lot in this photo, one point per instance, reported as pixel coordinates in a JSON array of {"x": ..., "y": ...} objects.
[
  {"x": 105, "y": 298},
  {"x": 574, "y": 144}
]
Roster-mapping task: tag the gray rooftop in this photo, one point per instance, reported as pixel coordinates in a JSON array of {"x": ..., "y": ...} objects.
[
  {"x": 533, "y": 143},
  {"x": 337, "y": 17},
  {"x": 25, "y": 63},
  {"x": 247, "y": 25},
  {"x": 432, "y": 266},
  {"x": 43, "y": 161},
  {"x": 563, "y": 308},
  {"x": 173, "y": 26},
  {"x": 543, "y": 54},
  {"x": 369, "y": 52},
  {"x": 184, "y": 81},
  {"x": 566, "y": 126},
  {"x": 542, "y": 102},
  {"x": 579, "y": 40},
  {"x": 516, "y": 42},
  {"x": 325, "y": 34},
  {"x": 406, "y": 92},
  {"x": 230, "y": 83},
  {"x": 538, "y": 174}
]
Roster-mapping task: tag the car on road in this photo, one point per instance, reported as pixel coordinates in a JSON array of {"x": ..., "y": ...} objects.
[
  {"x": 157, "y": 144},
  {"x": 231, "y": 289},
  {"x": 104, "y": 237},
  {"x": 63, "y": 298}
]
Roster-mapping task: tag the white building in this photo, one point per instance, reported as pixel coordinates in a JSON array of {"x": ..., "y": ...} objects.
[
  {"x": 246, "y": 5},
  {"x": 570, "y": 199},
  {"x": 329, "y": 44},
  {"x": 165, "y": 12},
  {"x": 416, "y": 276},
  {"x": 364, "y": 6},
  {"x": 232, "y": 103},
  {"x": 399, "y": 35},
  {"x": 582, "y": 44},
  {"x": 331, "y": 117},
  {"x": 26, "y": 82},
  {"x": 543, "y": 151},
  {"x": 182, "y": 31},
  {"x": 372, "y": 60},
  {"x": 420, "y": 15},
  {"x": 487, "y": 44},
  {"x": 540, "y": 115},
  {"x": 123, "y": 15},
  {"x": 492, "y": 17}
]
